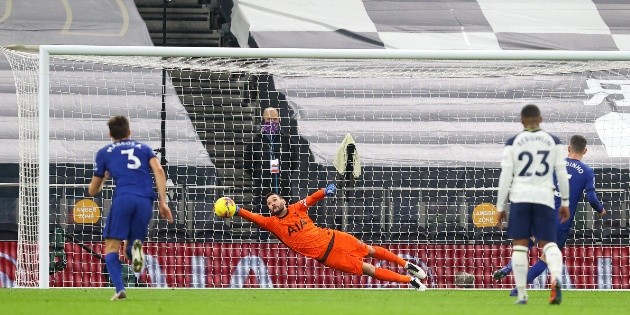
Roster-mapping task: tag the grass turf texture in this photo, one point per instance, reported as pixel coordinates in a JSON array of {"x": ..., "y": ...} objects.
[{"x": 277, "y": 301}]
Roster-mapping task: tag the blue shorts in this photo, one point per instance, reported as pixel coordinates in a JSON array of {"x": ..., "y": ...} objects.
[
  {"x": 561, "y": 239},
  {"x": 128, "y": 218},
  {"x": 532, "y": 219}
]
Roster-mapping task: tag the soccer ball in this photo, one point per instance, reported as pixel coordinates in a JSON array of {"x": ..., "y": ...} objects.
[
  {"x": 464, "y": 280},
  {"x": 224, "y": 207}
]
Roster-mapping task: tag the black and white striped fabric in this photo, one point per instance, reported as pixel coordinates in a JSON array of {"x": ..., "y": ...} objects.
[
  {"x": 446, "y": 128},
  {"x": 433, "y": 24}
]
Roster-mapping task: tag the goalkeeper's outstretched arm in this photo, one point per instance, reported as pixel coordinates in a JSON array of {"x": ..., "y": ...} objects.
[{"x": 252, "y": 217}]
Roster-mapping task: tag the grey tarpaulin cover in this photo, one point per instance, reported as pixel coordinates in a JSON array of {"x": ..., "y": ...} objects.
[
  {"x": 76, "y": 133},
  {"x": 460, "y": 121}
]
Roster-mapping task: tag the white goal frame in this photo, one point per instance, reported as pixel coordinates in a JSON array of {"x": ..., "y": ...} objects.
[{"x": 46, "y": 51}]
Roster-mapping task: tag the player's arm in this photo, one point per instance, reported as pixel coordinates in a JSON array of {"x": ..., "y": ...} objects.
[
  {"x": 100, "y": 175},
  {"x": 253, "y": 217},
  {"x": 329, "y": 191},
  {"x": 160, "y": 182},
  {"x": 560, "y": 168},
  {"x": 505, "y": 182},
  {"x": 591, "y": 196},
  {"x": 505, "y": 179},
  {"x": 96, "y": 184}
]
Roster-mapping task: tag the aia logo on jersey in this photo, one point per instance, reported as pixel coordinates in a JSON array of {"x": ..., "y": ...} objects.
[{"x": 296, "y": 227}]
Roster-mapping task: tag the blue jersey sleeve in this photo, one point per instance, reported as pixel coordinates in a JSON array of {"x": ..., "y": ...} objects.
[
  {"x": 148, "y": 151},
  {"x": 99, "y": 164},
  {"x": 589, "y": 189}
]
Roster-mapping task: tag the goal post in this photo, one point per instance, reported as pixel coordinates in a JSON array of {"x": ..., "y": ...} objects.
[
  {"x": 429, "y": 127},
  {"x": 44, "y": 162}
]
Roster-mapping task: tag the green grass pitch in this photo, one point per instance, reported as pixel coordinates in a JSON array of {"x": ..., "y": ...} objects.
[{"x": 280, "y": 301}]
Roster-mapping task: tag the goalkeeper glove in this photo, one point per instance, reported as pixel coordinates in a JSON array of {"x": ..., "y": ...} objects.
[{"x": 330, "y": 190}]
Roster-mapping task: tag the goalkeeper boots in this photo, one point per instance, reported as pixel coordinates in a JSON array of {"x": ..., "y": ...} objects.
[
  {"x": 119, "y": 296},
  {"x": 137, "y": 257},
  {"x": 556, "y": 292},
  {"x": 415, "y": 270},
  {"x": 414, "y": 282}
]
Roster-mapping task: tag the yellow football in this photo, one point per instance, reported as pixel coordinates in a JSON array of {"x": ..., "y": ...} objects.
[{"x": 224, "y": 207}]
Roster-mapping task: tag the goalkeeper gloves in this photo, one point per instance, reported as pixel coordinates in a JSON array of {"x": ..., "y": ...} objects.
[{"x": 330, "y": 190}]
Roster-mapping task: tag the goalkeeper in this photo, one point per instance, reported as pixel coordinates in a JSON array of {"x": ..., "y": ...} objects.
[{"x": 335, "y": 249}]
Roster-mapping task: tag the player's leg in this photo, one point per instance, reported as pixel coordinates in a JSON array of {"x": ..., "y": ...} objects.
[
  {"x": 139, "y": 229},
  {"x": 520, "y": 264},
  {"x": 114, "y": 268},
  {"x": 502, "y": 272},
  {"x": 536, "y": 270},
  {"x": 116, "y": 229},
  {"x": 347, "y": 256},
  {"x": 541, "y": 265},
  {"x": 384, "y": 254},
  {"x": 519, "y": 229},
  {"x": 554, "y": 264},
  {"x": 545, "y": 229},
  {"x": 507, "y": 269},
  {"x": 390, "y": 276}
]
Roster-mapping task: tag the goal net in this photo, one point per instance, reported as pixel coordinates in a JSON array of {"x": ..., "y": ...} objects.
[{"x": 413, "y": 141}]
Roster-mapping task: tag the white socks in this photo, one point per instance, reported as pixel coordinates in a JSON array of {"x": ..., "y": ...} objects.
[
  {"x": 553, "y": 258},
  {"x": 520, "y": 264}
]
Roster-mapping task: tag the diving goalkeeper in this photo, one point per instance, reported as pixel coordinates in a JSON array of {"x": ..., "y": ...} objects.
[{"x": 335, "y": 249}]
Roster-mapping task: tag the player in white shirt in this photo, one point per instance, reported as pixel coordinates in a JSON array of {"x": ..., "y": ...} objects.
[{"x": 529, "y": 161}]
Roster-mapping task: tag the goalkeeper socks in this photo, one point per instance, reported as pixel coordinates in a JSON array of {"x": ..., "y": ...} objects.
[
  {"x": 388, "y": 275},
  {"x": 553, "y": 256},
  {"x": 383, "y": 254},
  {"x": 536, "y": 270},
  {"x": 115, "y": 270},
  {"x": 520, "y": 264}
]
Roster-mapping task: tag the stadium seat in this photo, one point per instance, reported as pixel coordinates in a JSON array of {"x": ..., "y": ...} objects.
[
  {"x": 449, "y": 234},
  {"x": 407, "y": 233},
  {"x": 490, "y": 236},
  {"x": 368, "y": 233},
  {"x": 8, "y": 231},
  {"x": 584, "y": 236},
  {"x": 85, "y": 233},
  {"x": 210, "y": 231},
  {"x": 170, "y": 233},
  {"x": 616, "y": 236}
]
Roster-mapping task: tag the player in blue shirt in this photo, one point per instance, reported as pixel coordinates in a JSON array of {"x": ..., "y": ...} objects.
[
  {"x": 581, "y": 180},
  {"x": 130, "y": 164},
  {"x": 529, "y": 162}
]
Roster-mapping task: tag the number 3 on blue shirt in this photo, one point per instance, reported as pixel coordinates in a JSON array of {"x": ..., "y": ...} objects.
[{"x": 134, "y": 161}]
